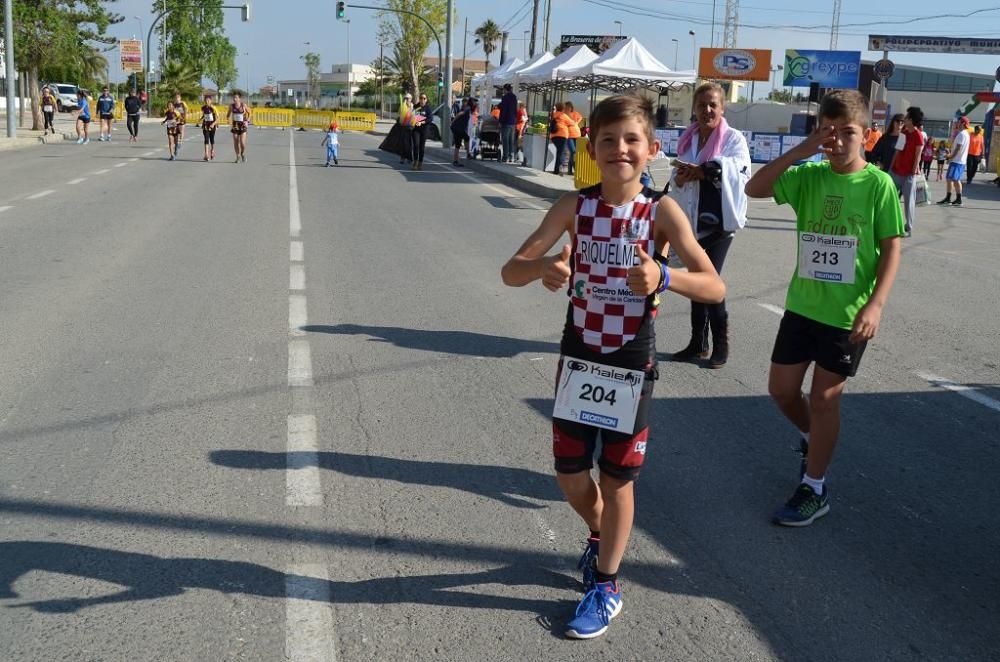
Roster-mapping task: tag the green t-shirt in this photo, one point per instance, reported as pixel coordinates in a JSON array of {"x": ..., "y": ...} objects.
[{"x": 831, "y": 209}]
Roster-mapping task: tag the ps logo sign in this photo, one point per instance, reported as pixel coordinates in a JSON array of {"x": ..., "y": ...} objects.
[{"x": 734, "y": 62}]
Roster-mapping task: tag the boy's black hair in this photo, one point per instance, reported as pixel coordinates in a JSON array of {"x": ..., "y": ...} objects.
[
  {"x": 848, "y": 105},
  {"x": 916, "y": 115}
]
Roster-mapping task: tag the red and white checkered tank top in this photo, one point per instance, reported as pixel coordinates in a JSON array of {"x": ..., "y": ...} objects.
[{"x": 606, "y": 313}]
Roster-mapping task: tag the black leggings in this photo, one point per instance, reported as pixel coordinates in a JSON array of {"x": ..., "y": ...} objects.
[
  {"x": 48, "y": 120},
  {"x": 418, "y": 141},
  {"x": 927, "y": 168},
  {"x": 209, "y": 136},
  {"x": 716, "y": 246},
  {"x": 132, "y": 122}
]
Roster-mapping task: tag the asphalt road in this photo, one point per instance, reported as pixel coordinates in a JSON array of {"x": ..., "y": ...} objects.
[{"x": 253, "y": 415}]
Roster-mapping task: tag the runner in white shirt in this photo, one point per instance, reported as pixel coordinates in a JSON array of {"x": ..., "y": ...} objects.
[{"x": 956, "y": 166}]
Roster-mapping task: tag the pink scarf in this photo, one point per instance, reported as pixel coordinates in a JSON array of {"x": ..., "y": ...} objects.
[{"x": 712, "y": 148}]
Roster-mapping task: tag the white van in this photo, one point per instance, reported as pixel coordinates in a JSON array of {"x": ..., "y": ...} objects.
[{"x": 65, "y": 95}]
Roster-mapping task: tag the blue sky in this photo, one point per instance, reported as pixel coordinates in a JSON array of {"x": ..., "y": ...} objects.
[{"x": 274, "y": 40}]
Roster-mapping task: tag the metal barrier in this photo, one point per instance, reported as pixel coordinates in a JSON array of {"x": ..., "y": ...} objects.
[
  {"x": 587, "y": 173},
  {"x": 273, "y": 117},
  {"x": 284, "y": 117},
  {"x": 346, "y": 120}
]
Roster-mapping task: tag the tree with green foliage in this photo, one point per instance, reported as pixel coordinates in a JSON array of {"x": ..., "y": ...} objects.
[
  {"x": 195, "y": 36},
  {"x": 488, "y": 34},
  {"x": 410, "y": 35},
  {"x": 220, "y": 63},
  {"x": 311, "y": 61},
  {"x": 59, "y": 37},
  {"x": 180, "y": 78}
]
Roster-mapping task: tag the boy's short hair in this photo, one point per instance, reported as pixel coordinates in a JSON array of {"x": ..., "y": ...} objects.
[
  {"x": 848, "y": 105},
  {"x": 623, "y": 107},
  {"x": 916, "y": 115}
]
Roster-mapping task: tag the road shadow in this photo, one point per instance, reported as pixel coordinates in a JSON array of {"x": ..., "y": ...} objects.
[
  {"x": 467, "y": 343},
  {"x": 529, "y": 204},
  {"x": 150, "y": 577},
  {"x": 508, "y": 485}
]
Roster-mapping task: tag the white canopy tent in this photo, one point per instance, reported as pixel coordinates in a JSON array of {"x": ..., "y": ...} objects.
[
  {"x": 490, "y": 79},
  {"x": 624, "y": 66},
  {"x": 510, "y": 76},
  {"x": 548, "y": 74}
]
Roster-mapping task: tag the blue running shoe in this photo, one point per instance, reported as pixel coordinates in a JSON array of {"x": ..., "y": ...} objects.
[
  {"x": 587, "y": 562},
  {"x": 804, "y": 508},
  {"x": 595, "y": 611}
]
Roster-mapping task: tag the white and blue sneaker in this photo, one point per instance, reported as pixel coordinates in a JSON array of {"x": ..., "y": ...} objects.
[
  {"x": 79, "y": 141},
  {"x": 601, "y": 603}
]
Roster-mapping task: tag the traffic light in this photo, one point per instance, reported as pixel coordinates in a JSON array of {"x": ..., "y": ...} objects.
[
  {"x": 341, "y": 9},
  {"x": 440, "y": 81},
  {"x": 245, "y": 12}
]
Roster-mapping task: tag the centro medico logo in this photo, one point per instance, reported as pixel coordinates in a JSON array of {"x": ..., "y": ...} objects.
[{"x": 734, "y": 62}]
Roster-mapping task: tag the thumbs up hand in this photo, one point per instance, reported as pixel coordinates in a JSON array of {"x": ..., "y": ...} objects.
[
  {"x": 556, "y": 271},
  {"x": 645, "y": 276}
]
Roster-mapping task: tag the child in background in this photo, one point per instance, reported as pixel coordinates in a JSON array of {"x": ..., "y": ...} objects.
[
  {"x": 927, "y": 157},
  {"x": 942, "y": 154},
  {"x": 332, "y": 144}
]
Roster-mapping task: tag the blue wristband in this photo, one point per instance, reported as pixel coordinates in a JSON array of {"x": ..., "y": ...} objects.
[{"x": 664, "y": 278}]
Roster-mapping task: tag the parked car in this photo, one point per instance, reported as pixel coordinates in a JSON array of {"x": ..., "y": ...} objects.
[{"x": 65, "y": 95}]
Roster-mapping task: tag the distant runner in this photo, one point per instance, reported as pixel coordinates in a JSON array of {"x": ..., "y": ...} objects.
[
  {"x": 209, "y": 122},
  {"x": 239, "y": 115},
  {"x": 132, "y": 108},
  {"x": 170, "y": 119},
  {"x": 182, "y": 111},
  {"x": 48, "y": 108},
  {"x": 106, "y": 111},
  {"x": 82, "y": 118}
]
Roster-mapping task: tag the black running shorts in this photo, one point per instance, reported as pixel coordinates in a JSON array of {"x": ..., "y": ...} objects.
[{"x": 802, "y": 340}]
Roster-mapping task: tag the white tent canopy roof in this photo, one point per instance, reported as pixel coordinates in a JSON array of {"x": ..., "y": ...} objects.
[
  {"x": 511, "y": 75},
  {"x": 625, "y": 64},
  {"x": 577, "y": 56},
  {"x": 492, "y": 77}
]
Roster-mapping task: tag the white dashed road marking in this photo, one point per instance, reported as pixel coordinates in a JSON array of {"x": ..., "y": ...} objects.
[
  {"x": 777, "y": 310},
  {"x": 308, "y": 614},
  {"x": 295, "y": 251},
  {"x": 100, "y": 172},
  {"x": 302, "y": 484},
  {"x": 40, "y": 194},
  {"x": 965, "y": 391},
  {"x": 77, "y": 180}
]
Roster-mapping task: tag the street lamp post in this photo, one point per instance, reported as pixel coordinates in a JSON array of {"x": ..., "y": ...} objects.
[
  {"x": 694, "y": 51},
  {"x": 308, "y": 80},
  {"x": 677, "y": 46},
  {"x": 526, "y": 32},
  {"x": 143, "y": 47},
  {"x": 249, "y": 93},
  {"x": 619, "y": 24},
  {"x": 350, "y": 67}
]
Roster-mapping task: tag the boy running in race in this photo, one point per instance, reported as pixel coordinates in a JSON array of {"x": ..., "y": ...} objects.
[
  {"x": 332, "y": 144},
  {"x": 106, "y": 113},
  {"x": 181, "y": 109},
  {"x": 82, "y": 118},
  {"x": 239, "y": 115},
  {"x": 613, "y": 271},
  {"x": 173, "y": 130},
  {"x": 209, "y": 122},
  {"x": 849, "y": 227}
]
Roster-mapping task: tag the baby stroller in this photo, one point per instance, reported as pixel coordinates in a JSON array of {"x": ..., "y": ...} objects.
[{"x": 489, "y": 138}]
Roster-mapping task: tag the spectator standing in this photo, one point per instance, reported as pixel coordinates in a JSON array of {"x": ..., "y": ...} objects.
[
  {"x": 709, "y": 186},
  {"x": 573, "y": 125},
  {"x": 976, "y": 148},
  {"x": 873, "y": 137},
  {"x": 661, "y": 117},
  {"x": 48, "y": 108},
  {"x": 132, "y": 108},
  {"x": 559, "y": 134},
  {"x": 941, "y": 152},
  {"x": 508, "y": 123},
  {"x": 406, "y": 133},
  {"x": 885, "y": 148},
  {"x": 423, "y": 115},
  {"x": 522, "y": 123},
  {"x": 460, "y": 129},
  {"x": 956, "y": 163},
  {"x": 906, "y": 163}
]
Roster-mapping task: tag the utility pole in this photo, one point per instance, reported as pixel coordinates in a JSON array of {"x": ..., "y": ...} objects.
[
  {"x": 8, "y": 31},
  {"x": 504, "y": 42},
  {"x": 465, "y": 43},
  {"x": 548, "y": 18},
  {"x": 732, "y": 23},
  {"x": 534, "y": 28},
  {"x": 449, "y": 70},
  {"x": 835, "y": 25}
]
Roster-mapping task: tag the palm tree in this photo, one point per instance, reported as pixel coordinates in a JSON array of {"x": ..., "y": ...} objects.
[
  {"x": 180, "y": 78},
  {"x": 488, "y": 34}
]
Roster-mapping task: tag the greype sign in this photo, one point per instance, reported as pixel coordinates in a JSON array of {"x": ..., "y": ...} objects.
[
  {"x": 905, "y": 44},
  {"x": 831, "y": 69}
]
